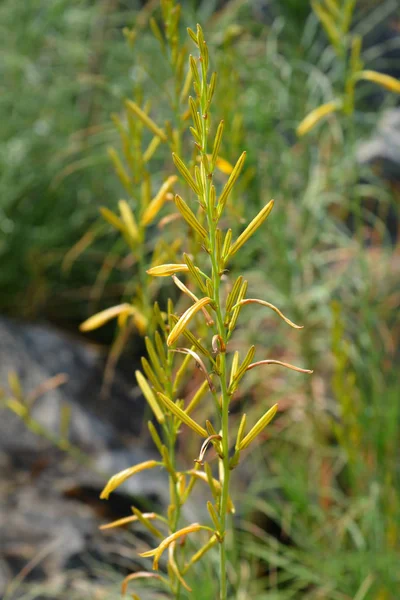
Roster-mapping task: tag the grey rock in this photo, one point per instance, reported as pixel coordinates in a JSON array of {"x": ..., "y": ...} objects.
[
  {"x": 50, "y": 509},
  {"x": 383, "y": 148}
]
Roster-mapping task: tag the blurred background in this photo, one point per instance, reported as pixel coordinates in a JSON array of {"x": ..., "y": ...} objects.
[{"x": 319, "y": 502}]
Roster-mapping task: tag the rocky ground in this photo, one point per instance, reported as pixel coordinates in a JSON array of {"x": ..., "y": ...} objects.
[{"x": 49, "y": 503}]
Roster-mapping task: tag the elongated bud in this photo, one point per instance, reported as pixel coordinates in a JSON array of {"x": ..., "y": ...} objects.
[
  {"x": 151, "y": 376},
  {"x": 192, "y": 35},
  {"x": 198, "y": 396},
  {"x": 211, "y": 88},
  {"x": 154, "y": 359},
  {"x": 184, "y": 171},
  {"x": 269, "y": 305},
  {"x": 235, "y": 363},
  {"x": 181, "y": 373},
  {"x": 195, "y": 115},
  {"x": 182, "y": 415},
  {"x": 154, "y": 436},
  {"x": 146, "y": 120},
  {"x": 236, "y": 311},
  {"x": 195, "y": 73},
  {"x": 240, "y": 432},
  {"x": 385, "y": 81},
  {"x": 158, "y": 201},
  {"x": 316, "y": 115},
  {"x": 242, "y": 369},
  {"x": 251, "y": 228},
  {"x": 230, "y": 183},
  {"x": 258, "y": 427},
  {"x": 190, "y": 218},
  {"x": 186, "y": 86},
  {"x": 167, "y": 270},
  {"x": 227, "y": 244},
  {"x": 186, "y": 318},
  {"x": 150, "y": 397},
  {"x": 214, "y": 516},
  {"x": 194, "y": 271},
  {"x": 233, "y": 294},
  {"x": 122, "y": 476},
  {"x": 217, "y": 143}
]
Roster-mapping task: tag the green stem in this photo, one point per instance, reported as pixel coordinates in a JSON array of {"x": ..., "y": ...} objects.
[
  {"x": 170, "y": 432},
  {"x": 221, "y": 330}
]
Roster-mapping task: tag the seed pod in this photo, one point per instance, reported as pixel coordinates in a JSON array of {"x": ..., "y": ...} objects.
[
  {"x": 258, "y": 427},
  {"x": 184, "y": 171},
  {"x": 230, "y": 183},
  {"x": 217, "y": 143},
  {"x": 150, "y": 397},
  {"x": 182, "y": 415},
  {"x": 190, "y": 218},
  {"x": 194, "y": 271},
  {"x": 186, "y": 318},
  {"x": 251, "y": 228},
  {"x": 145, "y": 119}
]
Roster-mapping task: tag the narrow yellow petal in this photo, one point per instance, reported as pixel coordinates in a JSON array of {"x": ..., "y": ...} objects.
[
  {"x": 182, "y": 415},
  {"x": 251, "y": 228},
  {"x": 258, "y": 427},
  {"x": 104, "y": 316},
  {"x": 186, "y": 318},
  {"x": 122, "y": 476},
  {"x": 167, "y": 270},
  {"x": 316, "y": 115},
  {"x": 137, "y": 575},
  {"x": 386, "y": 81}
]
